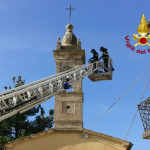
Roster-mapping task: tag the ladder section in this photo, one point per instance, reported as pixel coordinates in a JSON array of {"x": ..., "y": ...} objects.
[
  {"x": 34, "y": 83},
  {"x": 23, "y": 98}
]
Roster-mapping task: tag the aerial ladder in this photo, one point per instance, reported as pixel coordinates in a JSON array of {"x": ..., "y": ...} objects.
[{"x": 25, "y": 97}]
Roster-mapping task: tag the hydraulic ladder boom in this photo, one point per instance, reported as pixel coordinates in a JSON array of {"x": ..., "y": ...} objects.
[{"x": 23, "y": 98}]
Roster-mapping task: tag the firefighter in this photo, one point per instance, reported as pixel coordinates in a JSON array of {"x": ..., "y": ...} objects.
[
  {"x": 105, "y": 58},
  {"x": 94, "y": 58},
  {"x": 66, "y": 84}
]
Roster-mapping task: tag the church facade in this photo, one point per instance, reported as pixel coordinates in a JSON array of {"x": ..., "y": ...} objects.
[{"x": 69, "y": 140}]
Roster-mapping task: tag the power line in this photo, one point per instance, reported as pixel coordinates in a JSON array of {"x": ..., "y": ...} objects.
[
  {"x": 100, "y": 117},
  {"x": 137, "y": 109}
]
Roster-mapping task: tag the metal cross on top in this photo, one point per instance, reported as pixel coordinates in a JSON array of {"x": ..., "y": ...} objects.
[{"x": 70, "y": 12}]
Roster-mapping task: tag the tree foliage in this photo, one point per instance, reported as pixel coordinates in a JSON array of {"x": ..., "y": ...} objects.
[{"x": 22, "y": 125}]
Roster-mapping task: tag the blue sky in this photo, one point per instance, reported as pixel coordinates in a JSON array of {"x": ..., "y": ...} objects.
[{"x": 28, "y": 34}]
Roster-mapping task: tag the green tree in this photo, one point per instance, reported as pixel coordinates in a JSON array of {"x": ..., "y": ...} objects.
[{"x": 22, "y": 125}]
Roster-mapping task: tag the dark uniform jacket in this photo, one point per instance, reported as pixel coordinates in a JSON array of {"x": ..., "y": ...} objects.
[
  {"x": 95, "y": 56},
  {"x": 104, "y": 56}
]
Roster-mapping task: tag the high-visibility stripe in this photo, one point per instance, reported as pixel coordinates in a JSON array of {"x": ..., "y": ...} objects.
[{"x": 105, "y": 54}]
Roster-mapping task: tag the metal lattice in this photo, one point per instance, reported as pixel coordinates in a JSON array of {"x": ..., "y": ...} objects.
[
  {"x": 23, "y": 98},
  {"x": 144, "y": 110}
]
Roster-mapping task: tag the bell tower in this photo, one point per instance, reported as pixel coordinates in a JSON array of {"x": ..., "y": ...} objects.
[{"x": 68, "y": 105}]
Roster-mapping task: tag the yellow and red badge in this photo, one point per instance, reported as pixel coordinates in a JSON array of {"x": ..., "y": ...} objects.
[{"x": 143, "y": 31}]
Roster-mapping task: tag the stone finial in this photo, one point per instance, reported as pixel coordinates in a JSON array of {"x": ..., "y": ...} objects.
[
  {"x": 58, "y": 44},
  {"x": 69, "y": 27},
  {"x": 79, "y": 44},
  {"x": 69, "y": 38},
  {"x": 58, "y": 40}
]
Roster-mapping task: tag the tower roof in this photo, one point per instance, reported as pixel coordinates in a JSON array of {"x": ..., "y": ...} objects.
[{"x": 69, "y": 38}]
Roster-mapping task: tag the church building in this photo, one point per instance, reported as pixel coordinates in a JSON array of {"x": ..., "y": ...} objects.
[{"x": 68, "y": 132}]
